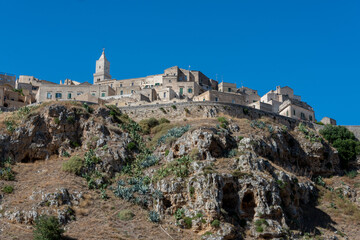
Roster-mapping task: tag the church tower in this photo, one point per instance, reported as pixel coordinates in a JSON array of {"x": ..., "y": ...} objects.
[{"x": 102, "y": 71}]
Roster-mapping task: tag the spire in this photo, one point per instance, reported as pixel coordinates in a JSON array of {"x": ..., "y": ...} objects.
[{"x": 103, "y": 54}]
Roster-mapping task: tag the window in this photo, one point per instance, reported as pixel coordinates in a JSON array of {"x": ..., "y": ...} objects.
[
  {"x": 233, "y": 101},
  {"x": 132, "y": 91},
  {"x": 111, "y": 85},
  {"x": 98, "y": 79},
  {"x": 103, "y": 94},
  {"x": 48, "y": 95},
  {"x": 169, "y": 81},
  {"x": 121, "y": 92},
  {"x": 294, "y": 112},
  {"x": 203, "y": 99},
  {"x": 93, "y": 94},
  {"x": 216, "y": 99},
  {"x": 302, "y": 116},
  {"x": 164, "y": 94},
  {"x": 190, "y": 90},
  {"x": 120, "y": 84},
  {"x": 132, "y": 84},
  {"x": 181, "y": 91},
  {"x": 287, "y": 113},
  {"x": 310, "y": 118},
  {"x": 58, "y": 95},
  {"x": 69, "y": 95},
  {"x": 157, "y": 84},
  {"x": 185, "y": 78},
  {"x": 79, "y": 93},
  {"x": 229, "y": 89}
]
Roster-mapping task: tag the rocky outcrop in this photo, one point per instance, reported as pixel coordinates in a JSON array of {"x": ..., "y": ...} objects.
[{"x": 58, "y": 129}]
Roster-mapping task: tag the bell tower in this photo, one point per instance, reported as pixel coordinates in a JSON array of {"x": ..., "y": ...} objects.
[{"x": 102, "y": 71}]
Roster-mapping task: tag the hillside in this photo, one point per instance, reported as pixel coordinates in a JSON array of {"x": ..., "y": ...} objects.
[{"x": 198, "y": 174}]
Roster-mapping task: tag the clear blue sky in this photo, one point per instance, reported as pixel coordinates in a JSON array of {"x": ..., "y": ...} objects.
[{"x": 311, "y": 46}]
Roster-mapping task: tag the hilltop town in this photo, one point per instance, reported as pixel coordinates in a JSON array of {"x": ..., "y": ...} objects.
[{"x": 173, "y": 86}]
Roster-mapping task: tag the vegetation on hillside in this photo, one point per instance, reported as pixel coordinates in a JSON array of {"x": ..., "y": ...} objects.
[{"x": 344, "y": 141}]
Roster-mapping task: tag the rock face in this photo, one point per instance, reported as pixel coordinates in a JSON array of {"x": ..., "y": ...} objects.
[
  {"x": 58, "y": 129},
  {"x": 233, "y": 185}
]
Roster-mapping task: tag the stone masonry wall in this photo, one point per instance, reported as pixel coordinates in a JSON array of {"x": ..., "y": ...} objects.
[{"x": 193, "y": 110}]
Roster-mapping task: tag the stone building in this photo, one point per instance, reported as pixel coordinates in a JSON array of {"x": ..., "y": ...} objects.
[
  {"x": 327, "y": 120},
  {"x": 284, "y": 102},
  {"x": 7, "y": 78},
  {"x": 11, "y": 98}
]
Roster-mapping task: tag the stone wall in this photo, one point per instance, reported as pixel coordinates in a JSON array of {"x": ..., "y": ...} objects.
[
  {"x": 191, "y": 110},
  {"x": 355, "y": 130}
]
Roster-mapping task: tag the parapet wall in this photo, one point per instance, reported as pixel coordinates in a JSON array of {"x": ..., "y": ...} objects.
[{"x": 193, "y": 110}]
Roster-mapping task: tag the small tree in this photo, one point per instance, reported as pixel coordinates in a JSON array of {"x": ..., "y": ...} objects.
[{"x": 47, "y": 228}]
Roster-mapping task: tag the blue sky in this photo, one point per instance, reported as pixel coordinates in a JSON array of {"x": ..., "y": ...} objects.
[{"x": 311, "y": 46}]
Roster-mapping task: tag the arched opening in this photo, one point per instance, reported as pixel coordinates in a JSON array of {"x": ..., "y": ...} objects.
[
  {"x": 230, "y": 201},
  {"x": 248, "y": 205}
]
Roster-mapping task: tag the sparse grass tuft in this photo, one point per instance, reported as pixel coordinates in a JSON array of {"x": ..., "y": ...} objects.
[
  {"x": 8, "y": 189},
  {"x": 73, "y": 165},
  {"x": 126, "y": 215}
]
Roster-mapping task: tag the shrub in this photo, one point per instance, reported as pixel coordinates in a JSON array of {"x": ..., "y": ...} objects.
[
  {"x": 163, "y": 120},
  {"x": 352, "y": 174},
  {"x": 192, "y": 191},
  {"x": 131, "y": 146},
  {"x": 166, "y": 152},
  {"x": 179, "y": 214},
  {"x": 163, "y": 110},
  {"x": 57, "y": 120},
  {"x": 74, "y": 144},
  {"x": 232, "y": 153},
  {"x": 65, "y": 154},
  {"x": 10, "y": 126},
  {"x": 126, "y": 215},
  {"x": 70, "y": 120},
  {"x": 223, "y": 120},
  {"x": 147, "y": 124},
  {"x": 187, "y": 110},
  {"x": 174, "y": 107},
  {"x": 46, "y": 228},
  {"x": 344, "y": 141},
  {"x": 8, "y": 189},
  {"x": 73, "y": 165},
  {"x": 215, "y": 223},
  {"x": 246, "y": 111},
  {"x": 188, "y": 222},
  {"x": 87, "y": 108},
  {"x": 154, "y": 217}
]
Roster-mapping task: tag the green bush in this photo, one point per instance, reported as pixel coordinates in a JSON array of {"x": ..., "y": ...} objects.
[
  {"x": 73, "y": 165},
  {"x": 344, "y": 141},
  {"x": 65, "y": 154},
  {"x": 163, "y": 110},
  {"x": 166, "y": 152},
  {"x": 57, "y": 120},
  {"x": 163, "y": 120},
  {"x": 126, "y": 215},
  {"x": 223, "y": 120},
  {"x": 352, "y": 174},
  {"x": 131, "y": 146},
  {"x": 147, "y": 124},
  {"x": 174, "y": 107},
  {"x": 8, "y": 189},
  {"x": 47, "y": 228},
  {"x": 87, "y": 108},
  {"x": 246, "y": 111},
  {"x": 70, "y": 120},
  {"x": 188, "y": 222},
  {"x": 215, "y": 223},
  {"x": 179, "y": 214}
]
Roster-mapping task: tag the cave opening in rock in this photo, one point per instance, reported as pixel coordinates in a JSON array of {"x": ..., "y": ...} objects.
[
  {"x": 26, "y": 159},
  {"x": 230, "y": 201},
  {"x": 248, "y": 205},
  {"x": 167, "y": 203}
]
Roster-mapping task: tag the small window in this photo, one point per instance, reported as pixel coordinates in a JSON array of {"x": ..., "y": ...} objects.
[
  {"x": 93, "y": 94},
  {"x": 190, "y": 90},
  {"x": 164, "y": 94},
  {"x": 58, "y": 95},
  {"x": 69, "y": 95},
  {"x": 233, "y": 101},
  {"x": 79, "y": 93},
  {"x": 294, "y": 112},
  {"x": 310, "y": 118},
  {"x": 120, "y": 84},
  {"x": 48, "y": 95},
  {"x": 169, "y": 81},
  {"x": 287, "y": 113},
  {"x": 229, "y": 89},
  {"x": 216, "y": 99},
  {"x": 121, "y": 92},
  {"x": 132, "y": 91},
  {"x": 132, "y": 84},
  {"x": 203, "y": 99},
  {"x": 103, "y": 94},
  {"x": 157, "y": 84},
  {"x": 302, "y": 116}
]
